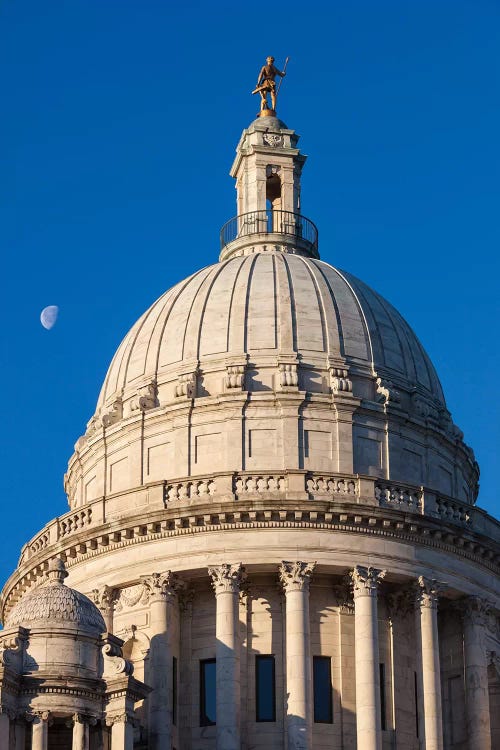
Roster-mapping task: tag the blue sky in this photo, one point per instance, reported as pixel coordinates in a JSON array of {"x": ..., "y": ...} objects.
[{"x": 118, "y": 126}]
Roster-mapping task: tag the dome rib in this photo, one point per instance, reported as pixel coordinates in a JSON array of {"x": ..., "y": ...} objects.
[{"x": 321, "y": 306}]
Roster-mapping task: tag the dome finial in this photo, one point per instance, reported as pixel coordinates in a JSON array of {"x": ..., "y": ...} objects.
[
  {"x": 57, "y": 571},
  {"x": 266, "y": 84}
]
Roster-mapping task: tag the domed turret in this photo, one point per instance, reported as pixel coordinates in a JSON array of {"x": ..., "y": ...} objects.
[{"x": 57, "y": 604}]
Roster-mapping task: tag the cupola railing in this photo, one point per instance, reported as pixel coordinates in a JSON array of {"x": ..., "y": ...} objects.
[{"x": 269, "y": 222}]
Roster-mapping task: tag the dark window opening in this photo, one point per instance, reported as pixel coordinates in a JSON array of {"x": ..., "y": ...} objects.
[
  {"x": 383, "y": 705},
  {"x": 207, "y": 693},
  {"x": 322, "y": 685},
  {"x": 265, "y": 689},
  {"x": 174, "y": 691}
]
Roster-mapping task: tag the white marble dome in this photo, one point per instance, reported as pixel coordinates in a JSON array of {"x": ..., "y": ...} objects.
[{"x": 264, "y": 304}]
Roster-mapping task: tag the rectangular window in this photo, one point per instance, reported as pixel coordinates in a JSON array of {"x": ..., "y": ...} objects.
[
  {"x": 207, "y": 692},
  {"x": 322, "y": 684},
  {"x": 174, "y": 691},
  {"x": 383, "y": 707},
  {"x": 265, "y": 689}
]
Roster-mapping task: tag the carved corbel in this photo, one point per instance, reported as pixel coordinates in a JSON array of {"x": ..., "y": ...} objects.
[
  {"x": 186, "y": 386},
  {"x": 146, "y": 398},
  {"x": 288, "y": 375},
  {"x": 114, "y": 662},
  {"x": 339, "y": 380},
  {"x": 113, "y": 414},
  {"x": 235, "y": 377},
  {"x": 386, "y": 392},
  {"x": 12, "y": 648}
]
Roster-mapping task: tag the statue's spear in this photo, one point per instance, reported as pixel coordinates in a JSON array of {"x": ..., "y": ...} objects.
[{"x": 281, "y": 81}]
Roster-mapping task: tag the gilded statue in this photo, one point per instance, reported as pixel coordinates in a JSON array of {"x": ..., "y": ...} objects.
[{"x": 266, "y": 83}]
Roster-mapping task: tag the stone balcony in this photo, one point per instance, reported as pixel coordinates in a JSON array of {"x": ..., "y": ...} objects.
[
  {"x": 246, "y": 497},
  {"x": 271, "y": 227}
]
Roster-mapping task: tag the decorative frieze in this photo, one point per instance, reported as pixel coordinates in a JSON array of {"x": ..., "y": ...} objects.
[
  {"x": 227, "y": 577},
  {"x": 130, "y": 596},
  {"x": 295, "y": 575},
  {"x": 274, "y": 140},
  {"x": 365, "y": 580}
]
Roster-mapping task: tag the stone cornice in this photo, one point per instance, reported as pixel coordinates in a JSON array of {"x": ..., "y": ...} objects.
[{"x": 328, "y": 515}]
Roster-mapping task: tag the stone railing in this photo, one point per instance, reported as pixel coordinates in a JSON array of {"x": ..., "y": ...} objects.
[
  {"x": 399, "y": 496},
  {"x": 74, "y": 522},
  {"x": 212, "y": 494}
]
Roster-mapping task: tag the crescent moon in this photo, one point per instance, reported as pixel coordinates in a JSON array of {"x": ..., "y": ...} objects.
[{"x": 48, "y": 316}]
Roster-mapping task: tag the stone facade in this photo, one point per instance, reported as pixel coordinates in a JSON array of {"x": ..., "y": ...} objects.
[{"x": 271, "y": 473}]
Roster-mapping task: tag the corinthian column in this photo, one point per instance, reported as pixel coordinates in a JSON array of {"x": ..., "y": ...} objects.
[
  {"x": 80, "y": 733},
  {"x": 368, "y": 722},
  {"x": 40, "y": 736},
  {"x": 226, "y": 581},
  {"x": 475, "y": 616},
  {"x": 162, "y": 590},
  {"x": 427, "y": 604},
  {"x": 295, "y": 578}
]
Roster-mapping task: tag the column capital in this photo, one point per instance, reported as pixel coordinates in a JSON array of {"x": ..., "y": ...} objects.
[
  {"x": 427, "y": 592},
  {"x": 124, "y": 718},
  {"x": 475, "y": 610},
  {"x": 227, "y": 577},
  {"x": 365, "y": 580},
  {"x": 295, "y": 576},
  {"x": 104, "y": 598},
  {"x": 161, "y": 586},
  {"x": 38, "y": 716}
]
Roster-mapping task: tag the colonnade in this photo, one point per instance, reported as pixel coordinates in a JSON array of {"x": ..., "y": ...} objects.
[{"x": 295, "y": 577}]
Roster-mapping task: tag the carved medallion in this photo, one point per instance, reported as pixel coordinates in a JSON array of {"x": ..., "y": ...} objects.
[{"x": 273, "y": 139}]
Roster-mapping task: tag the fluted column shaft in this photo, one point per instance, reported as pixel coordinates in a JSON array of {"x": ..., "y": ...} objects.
[
  {"x": 295, "y": 578},
  {"x": 163, "y": 610},
  {"x": 226, "y": 581},
  {"x": 122, "y": 734},
  {"x": 81, "y": 738},
  {"x": 427, "y": 604},
  {"x": 40, "y": 736},
  {"x": 368, "y": 721},
  {"x": 477, "y": 703}
]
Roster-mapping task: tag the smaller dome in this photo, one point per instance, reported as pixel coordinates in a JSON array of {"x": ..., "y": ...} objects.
[{"x": 54, "y": 603}]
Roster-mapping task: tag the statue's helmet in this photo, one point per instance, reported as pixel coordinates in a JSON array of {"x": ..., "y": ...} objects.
[{"x": 270, "y": 57}]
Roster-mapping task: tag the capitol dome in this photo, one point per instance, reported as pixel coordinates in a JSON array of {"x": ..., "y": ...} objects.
[{"x": 274, "y": 512}]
